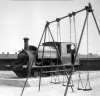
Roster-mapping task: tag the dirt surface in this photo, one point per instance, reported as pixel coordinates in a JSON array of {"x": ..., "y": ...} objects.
[{"x": 51, "y": 89}]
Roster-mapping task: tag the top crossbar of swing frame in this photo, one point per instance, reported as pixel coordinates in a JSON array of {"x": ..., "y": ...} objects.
[{"x": 87, "y": 8}]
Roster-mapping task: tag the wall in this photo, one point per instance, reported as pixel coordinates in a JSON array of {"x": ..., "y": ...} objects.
[
  {"x": 90, "y": 64},
  {"x": 4, "y": 62}
]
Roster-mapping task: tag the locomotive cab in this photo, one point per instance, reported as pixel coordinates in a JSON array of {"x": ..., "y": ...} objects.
[{"x": 66, "y": 51}]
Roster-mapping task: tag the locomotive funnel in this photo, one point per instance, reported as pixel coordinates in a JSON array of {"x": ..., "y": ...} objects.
[{"x": 26, "y": 43}]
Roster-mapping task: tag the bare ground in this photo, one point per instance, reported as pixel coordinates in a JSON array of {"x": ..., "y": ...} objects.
[{"x": 50, "y": 89}]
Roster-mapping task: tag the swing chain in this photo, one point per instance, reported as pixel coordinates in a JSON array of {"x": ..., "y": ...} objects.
[
  {"x": 70, "y": 27},
  {"x": 58, "y": 31},
  {"x": 87, "y": 40},
  {"x": 87, "y": 79},
  {"x": 75, "y": 28}
]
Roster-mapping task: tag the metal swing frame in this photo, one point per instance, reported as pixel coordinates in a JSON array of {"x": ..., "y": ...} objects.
[{"x": 88, "y": 10}]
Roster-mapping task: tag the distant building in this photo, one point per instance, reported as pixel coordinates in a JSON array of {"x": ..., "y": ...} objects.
[{"x": 8, "y": 56}]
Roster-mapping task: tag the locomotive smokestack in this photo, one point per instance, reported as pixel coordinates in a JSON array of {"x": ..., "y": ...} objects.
[{"x": 26, "y": 43}]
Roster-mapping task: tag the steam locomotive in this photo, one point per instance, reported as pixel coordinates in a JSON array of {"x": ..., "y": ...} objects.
[{"x": 48, "y": 57}]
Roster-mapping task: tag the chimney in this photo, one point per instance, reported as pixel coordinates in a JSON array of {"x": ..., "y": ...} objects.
[{"x": 26, "y": 43}]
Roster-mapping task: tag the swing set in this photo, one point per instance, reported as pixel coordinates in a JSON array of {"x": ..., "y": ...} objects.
[{"x": 68, "y": 76}]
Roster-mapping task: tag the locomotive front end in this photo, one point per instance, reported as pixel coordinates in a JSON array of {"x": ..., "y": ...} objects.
[{"x": 25, "y": 59}]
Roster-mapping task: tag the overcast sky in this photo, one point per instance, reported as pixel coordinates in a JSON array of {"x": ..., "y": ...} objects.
[{"x": 23, "y": 18}]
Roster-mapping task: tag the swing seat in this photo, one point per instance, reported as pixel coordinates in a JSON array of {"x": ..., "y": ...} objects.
[
  {"x": 87, "y": 89},
  {"x": 71, "y": 85},
  {"x": 55, "y": 82},
  {"x": 80, "y": 89}
]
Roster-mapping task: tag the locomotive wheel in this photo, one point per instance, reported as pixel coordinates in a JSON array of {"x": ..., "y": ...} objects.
[{"x": 35, "y": 73}]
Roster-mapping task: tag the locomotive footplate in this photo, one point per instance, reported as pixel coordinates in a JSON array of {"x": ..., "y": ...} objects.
[{"x": 52, "y": 69}]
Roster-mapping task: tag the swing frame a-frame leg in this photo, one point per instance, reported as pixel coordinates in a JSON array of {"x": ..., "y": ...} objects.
[
  {"x": 30, "y": 68},
  {"x": 75, "y": 56},
  {"x": 87, "y": 80},
  {"x": 88, "y": 10}
]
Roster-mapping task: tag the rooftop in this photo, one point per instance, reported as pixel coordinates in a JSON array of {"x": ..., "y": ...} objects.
[{"x": 8, "y": 56}]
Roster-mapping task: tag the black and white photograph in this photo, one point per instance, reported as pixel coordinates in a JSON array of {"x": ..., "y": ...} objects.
[{"x": 49, "y": 47}]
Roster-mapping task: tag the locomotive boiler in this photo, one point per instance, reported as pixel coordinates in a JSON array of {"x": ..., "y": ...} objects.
[{"x": 50, "y": 58}]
